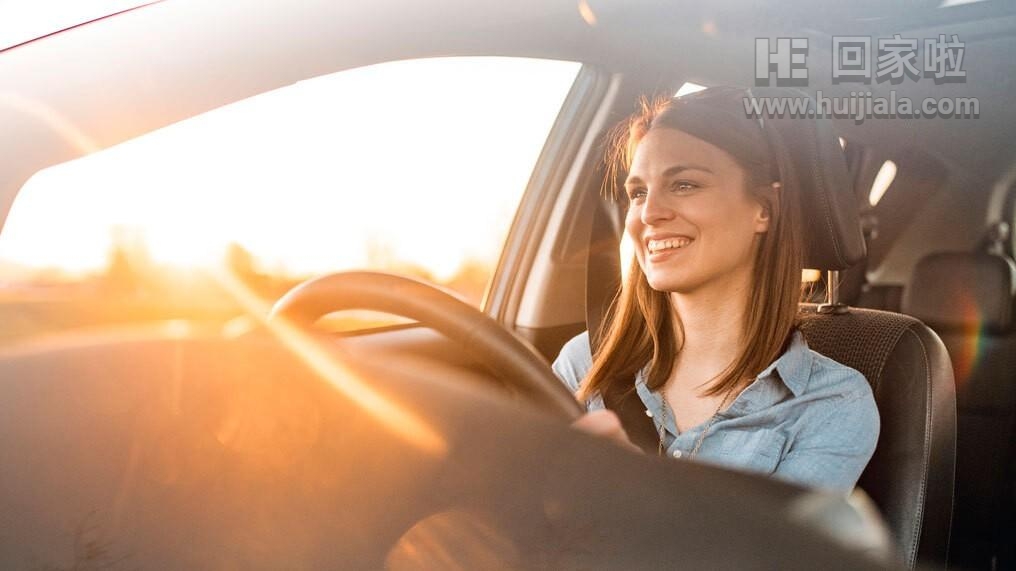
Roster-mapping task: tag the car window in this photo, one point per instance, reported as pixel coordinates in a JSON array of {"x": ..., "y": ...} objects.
[{"x": 414, "y": 167}]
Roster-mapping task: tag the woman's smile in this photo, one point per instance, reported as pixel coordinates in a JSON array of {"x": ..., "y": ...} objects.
[
  {"x": 659, "y": 245},
  {"x": 662, "y": 250}
]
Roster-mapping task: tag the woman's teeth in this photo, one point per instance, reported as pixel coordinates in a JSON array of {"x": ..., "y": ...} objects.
[{"x": 660, "y": 245}]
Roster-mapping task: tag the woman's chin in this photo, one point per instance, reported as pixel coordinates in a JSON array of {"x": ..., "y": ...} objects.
[{"x": 669, "y": 284}]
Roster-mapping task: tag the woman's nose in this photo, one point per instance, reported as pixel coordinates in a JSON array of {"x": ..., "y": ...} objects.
[{"x": 656, "y": 208}]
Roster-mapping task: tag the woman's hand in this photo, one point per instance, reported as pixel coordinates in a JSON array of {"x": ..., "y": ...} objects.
[{"x": 606, "y": 424}]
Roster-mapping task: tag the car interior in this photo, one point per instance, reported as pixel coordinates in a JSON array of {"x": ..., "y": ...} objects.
[{"x": 443, "y": 443}]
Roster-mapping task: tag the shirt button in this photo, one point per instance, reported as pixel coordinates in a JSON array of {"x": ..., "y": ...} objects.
[
  {"x": 649, "y": 413},
  {"x": 677, "y": 454}
]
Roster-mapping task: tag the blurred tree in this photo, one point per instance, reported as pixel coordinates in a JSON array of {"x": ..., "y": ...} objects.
[{"x": 120, "y": 278}]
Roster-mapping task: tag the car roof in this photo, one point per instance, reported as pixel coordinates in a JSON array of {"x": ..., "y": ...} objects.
[{"x": 26, "y": 21}]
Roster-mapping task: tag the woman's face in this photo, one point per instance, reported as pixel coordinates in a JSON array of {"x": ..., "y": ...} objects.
[{"x": 690, "y": 217}]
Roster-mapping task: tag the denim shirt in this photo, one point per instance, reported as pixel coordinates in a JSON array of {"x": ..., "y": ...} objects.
[{"x": 805, "y": 419}]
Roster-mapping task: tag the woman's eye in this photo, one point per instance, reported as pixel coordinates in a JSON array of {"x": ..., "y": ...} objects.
[
  {"x": 636, "y": 193},
  {"x": 684, "y": 186}
]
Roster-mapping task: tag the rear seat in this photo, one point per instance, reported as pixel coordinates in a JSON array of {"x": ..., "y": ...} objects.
[
  {"x": 968, "y": 298},
  {"x": 855, "y": 290},
  {"x": 887, "y": 297}
]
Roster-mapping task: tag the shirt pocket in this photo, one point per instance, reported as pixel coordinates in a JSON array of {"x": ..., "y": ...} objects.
[{"x": 755, "y": 450}]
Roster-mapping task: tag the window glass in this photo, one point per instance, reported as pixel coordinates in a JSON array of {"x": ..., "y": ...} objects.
[{"x": 414, "y": 167}]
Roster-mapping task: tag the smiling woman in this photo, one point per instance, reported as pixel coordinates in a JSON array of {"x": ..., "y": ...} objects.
[
  {"x": 705, "y": 330},
  {"x": 382, "y": 167}
]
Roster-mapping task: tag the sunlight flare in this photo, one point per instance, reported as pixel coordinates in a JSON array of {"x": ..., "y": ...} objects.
[{"x": 392, "y": 416}]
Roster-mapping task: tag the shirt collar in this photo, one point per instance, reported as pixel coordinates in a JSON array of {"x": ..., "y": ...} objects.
[{"x": 794, "y": 366}]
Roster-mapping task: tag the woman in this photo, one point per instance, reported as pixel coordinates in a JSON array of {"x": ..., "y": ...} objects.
[{"x": 704, "y": 328}]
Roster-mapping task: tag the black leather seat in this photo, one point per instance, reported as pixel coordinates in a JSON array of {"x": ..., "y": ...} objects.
[
  {"x": 967, "y": 298},
  {"x": 911, "y": 474},
  {"x": 910, "y": 477}
]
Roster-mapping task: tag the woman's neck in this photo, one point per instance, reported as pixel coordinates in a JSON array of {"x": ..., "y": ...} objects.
[{"x": 712, "y": 319}]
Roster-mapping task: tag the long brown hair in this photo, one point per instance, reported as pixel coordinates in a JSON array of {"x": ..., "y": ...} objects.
[{"x": 641, "y": 325}]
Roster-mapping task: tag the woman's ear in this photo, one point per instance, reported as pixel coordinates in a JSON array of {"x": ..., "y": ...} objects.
[
  {"x": 762, "y": 219},
  {"x": 764, "y": 213}
]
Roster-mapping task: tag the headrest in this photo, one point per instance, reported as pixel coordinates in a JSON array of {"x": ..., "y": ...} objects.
[
  {"x": 960, "y": 290},
  {"x": 833, "y": 238}
]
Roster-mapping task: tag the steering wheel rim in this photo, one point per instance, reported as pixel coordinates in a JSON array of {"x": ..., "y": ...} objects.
[{"x": 512, "y": 359}]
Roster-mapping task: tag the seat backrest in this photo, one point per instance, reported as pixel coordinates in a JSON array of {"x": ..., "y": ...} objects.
[
  {"x": 910, "y": 476},
  {"x": 968, "y": 299}
]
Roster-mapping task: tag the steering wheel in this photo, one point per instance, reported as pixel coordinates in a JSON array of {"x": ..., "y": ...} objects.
[{"x": 513, "y": 360}]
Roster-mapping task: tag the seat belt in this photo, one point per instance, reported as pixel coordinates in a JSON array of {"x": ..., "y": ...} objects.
[
  {"x": 603, "y": 280},
  {"x": 622, "y": 398}
]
